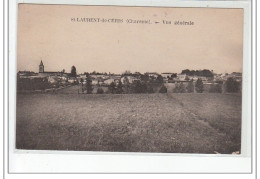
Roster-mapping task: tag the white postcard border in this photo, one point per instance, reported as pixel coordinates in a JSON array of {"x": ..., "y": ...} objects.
[{"x": 25, "y": 161}]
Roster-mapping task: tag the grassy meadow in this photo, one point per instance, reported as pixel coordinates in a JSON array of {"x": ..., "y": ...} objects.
[{"x": 170, "y": 123}]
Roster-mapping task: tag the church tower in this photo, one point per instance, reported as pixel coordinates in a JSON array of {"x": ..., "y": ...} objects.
[{"x": 41, "y": 67}]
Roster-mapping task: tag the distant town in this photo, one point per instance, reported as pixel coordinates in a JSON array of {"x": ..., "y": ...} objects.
[{"x": 127, "y": 82}]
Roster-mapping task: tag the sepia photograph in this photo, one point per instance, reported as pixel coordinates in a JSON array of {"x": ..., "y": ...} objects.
[{"x": 129, "y": 79}]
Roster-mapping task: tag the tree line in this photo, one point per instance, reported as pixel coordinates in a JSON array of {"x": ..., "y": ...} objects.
[
  {"x": 231, "y": 86},
  {"x": 202, "y": 73},
  {"x": 144, "y": 84},
  {"x": 147, "y": 83},
  {"x": 205, "y": 73}
]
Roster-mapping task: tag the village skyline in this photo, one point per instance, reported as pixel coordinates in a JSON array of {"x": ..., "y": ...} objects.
[{"x": 32, "y": 68}]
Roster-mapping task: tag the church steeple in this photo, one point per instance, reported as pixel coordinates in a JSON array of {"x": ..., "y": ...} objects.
[{"x": 41, "y": 67}]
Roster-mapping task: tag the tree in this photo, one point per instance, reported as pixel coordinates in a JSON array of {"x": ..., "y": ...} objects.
[
  {"x": 89, "y": 85},
  {"x": 187, "y": 78},
  {"x": 126, "y": 84},
  {"x": 163, "y": 89},
  {"x": 174, "y": 75},
  {"x": 187, "y": 72},
  {"x": 139, "y": 87},
  {"x": 199, "y": 86},
  {"x": 205, "y": 72},
  {"x": 179, "y": 88},
  {"x": 127, "y": 72},
  {"x": 145, "y": 78},
  {"x": 112, "y": 87},
  {"x": 119, "y": 88},
  {"x": 81, "y": 81},
  {"x": 232, "y": 86},
  {"x": 190, "y": 87},
  {"x": 159, "y": 79},
  {"x": 73, "y": 72},
  {"x": 87, "y": 74}
]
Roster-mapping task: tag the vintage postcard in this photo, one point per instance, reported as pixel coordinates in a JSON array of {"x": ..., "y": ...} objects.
[{"x": 129, "y": 79}]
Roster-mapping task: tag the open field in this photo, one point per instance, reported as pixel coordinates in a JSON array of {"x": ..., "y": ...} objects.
[{"x": 172, "y": 123}]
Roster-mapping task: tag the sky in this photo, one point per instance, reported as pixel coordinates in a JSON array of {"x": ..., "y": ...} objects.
[{"x": 47, "y": 33}]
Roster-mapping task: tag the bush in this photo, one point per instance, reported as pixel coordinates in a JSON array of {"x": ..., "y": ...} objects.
[
  {"x": 163, "y": 89},
  {"x": 100, "y": 91},
  {"x": 215, "y": 88}
]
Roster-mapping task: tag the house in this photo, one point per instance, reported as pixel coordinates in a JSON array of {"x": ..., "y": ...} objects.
[
  {"x": 64, "y": 78},
  {"x": 182, "y": 77},
  {"x": 72, "y": 80},
  {"x": 203, "y": 78},
  {"x": 95, "y": 82},
  {"x": 25, "y": 74},
  {"x": 194, "y": 78},
  {"x": 82, "y": 76},
  {"x": 130, "y": 79},
  {"x": 52, "y": 79},
  {"x": 152, "y": 74},
  {"x": 166, "y": 75},
  {"x": 115, "y": 77},
  {"x": 109, "y": 81},
  {"x": 98, "y": 76}
]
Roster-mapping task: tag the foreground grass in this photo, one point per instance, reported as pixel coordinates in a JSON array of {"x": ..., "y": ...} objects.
[{"x": 172, "y": 123}]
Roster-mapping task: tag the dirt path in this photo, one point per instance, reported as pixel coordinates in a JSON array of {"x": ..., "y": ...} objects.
[
  {"x": 212, "y": 116},
  {"x": 192, "y": 114}
]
